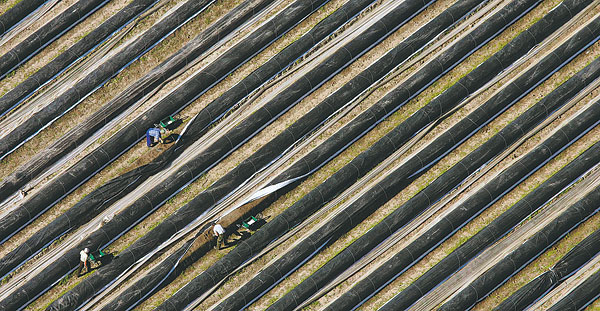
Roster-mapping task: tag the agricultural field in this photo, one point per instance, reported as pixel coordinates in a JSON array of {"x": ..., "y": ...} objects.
[{"x": 360, "y": 155}]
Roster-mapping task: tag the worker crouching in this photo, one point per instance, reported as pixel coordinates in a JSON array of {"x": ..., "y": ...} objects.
[{"x": 154, "y": 135}]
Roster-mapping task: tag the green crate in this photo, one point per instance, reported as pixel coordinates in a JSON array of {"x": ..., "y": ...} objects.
[
  {"x": 92, "y": 258},
  {"x": 167, "y": 121},
  {"x": 249, "y": 222}
]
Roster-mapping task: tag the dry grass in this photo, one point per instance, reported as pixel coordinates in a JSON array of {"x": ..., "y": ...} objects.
[
  {"x": 403, "y": 196},
  {"x": 140, "y": 154},
  {"x": 127, "y": 161},
  {"x": 541, "y": 264},
  {"x": 93, "y": 102},
  {"x": 218, "y": 171},
  {"x": 492, "y": 212}
]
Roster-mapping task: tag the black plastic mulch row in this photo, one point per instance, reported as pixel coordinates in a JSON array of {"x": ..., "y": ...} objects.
[
  {"x": 47, "y": 34},
  {"x": 483, "y": 198},
  {"x": 580, "y": 297},
  {"x": 565, "y": 267},
  {"x": 84, "y": 87},
  {"x": 17, "y": 13},
  {"x": 392, "y": 184},
  {"x": 335, "y": 101},
  {"x": 102, "y": 155},
  {"x": 530, "y": 249},
  {"x": 162, "y": 274},
  {"x": 11, "y": 99},
  {"x": 136, "y": 91},
  {"x": 117, "y": 144},
  {"x": 221, "y": 148},
  {"x": 480, "y": 200},
  {"x": 336, "y": 183}
]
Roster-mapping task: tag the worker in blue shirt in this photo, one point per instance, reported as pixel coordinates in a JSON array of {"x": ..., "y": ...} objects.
[{"x": 153, "y": 135}]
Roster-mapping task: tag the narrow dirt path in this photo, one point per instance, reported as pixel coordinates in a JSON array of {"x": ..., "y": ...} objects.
[
  {"x": 140, "y": 155},
  {"x": 89, "y": 105},
  {"x": 240, "y": 73},
  {"x": 403, "y": 196},
  {"x": 203, "y": 264},
  {"x": 409, "y": 276}
]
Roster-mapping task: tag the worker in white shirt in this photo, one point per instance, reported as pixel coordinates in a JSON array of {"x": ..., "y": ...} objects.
[
  {"x": 219, "y": 232},
  {"x": 84, "y": 261}
]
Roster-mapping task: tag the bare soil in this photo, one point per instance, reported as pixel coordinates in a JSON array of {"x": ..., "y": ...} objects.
[
  {"x": 218, "y": 171},
  {"x": 88, "y": 106},
  {"x": 403, "y": 196},
  {"x": 508, "y": 200},
  {"x": 140, "y": 154}
]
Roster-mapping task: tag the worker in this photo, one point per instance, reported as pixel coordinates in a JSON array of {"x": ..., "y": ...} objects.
[
  {"x": 84, "y": 261},
  {"x": 153, "y": 135},
  {"x": 219, "y": 232}
]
